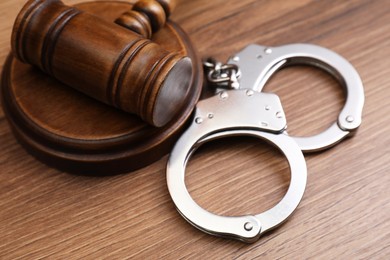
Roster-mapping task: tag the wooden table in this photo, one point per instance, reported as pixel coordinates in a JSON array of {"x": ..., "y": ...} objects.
[{"x": 345, "y": 212}]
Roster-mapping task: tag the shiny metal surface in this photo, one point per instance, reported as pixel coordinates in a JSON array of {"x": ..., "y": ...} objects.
[
  {"x": 231, "y": 113},
  {"x": 240, "y": 108},
  {"x": 237, "y": 109},
  {"x": 328, "y": 138},
  {"x": 222, "y": 75},
  {"x": 244, "y": 228},
  {"x": 258, "y": 63}
]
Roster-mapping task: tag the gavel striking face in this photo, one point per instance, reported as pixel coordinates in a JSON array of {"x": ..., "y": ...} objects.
[{"x": 105, "y": 60}]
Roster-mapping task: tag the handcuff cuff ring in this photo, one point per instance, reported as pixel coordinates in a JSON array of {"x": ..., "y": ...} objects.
[{"x": 245, "y": 110}]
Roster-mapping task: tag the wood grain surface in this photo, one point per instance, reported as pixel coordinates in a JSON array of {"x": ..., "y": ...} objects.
[{"x": 345, "y": 212}]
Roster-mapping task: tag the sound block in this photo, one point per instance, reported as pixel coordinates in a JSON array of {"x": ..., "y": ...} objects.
[{"x": 72, "y": 132}]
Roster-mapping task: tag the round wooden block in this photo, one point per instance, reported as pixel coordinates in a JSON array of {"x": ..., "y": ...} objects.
[{"x": 70, "y": 131}]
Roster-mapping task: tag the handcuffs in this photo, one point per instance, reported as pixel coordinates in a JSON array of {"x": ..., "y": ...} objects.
[{"x": 243, "y": 110}]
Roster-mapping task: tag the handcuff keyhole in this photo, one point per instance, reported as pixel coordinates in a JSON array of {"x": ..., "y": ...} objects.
[{"x": 248, "y": 226}]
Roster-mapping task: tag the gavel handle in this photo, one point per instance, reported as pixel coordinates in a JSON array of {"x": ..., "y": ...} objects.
[{"x": 147, "y": 16}]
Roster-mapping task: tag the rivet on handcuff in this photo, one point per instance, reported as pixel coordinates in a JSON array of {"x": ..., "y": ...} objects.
[{"x": 239, "y": 108}]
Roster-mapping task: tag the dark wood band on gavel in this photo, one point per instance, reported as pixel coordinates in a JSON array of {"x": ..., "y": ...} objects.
[{"x": 102, "y": 59}]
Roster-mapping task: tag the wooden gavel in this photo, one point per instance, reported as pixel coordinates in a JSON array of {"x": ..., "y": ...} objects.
[{"x": 104, "y": 60}]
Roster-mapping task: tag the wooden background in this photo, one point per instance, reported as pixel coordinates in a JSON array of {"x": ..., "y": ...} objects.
[{"x": 345, "y": 212}]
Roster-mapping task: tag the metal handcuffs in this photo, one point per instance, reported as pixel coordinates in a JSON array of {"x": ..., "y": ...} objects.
[{"x": 247, "y": 111}]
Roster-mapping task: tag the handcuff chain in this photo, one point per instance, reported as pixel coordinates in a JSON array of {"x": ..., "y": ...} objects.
[{"x": 222, "y": 75}]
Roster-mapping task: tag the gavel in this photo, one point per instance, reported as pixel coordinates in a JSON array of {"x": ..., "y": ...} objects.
[{"x": 115, "y": 63}]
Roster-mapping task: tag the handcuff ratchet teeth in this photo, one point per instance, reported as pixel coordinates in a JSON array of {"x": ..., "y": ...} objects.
[{"x": 243, "y": 110}]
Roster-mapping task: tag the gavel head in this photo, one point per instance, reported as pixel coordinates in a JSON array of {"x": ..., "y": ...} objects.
[{"x": 103, "y": 60}]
